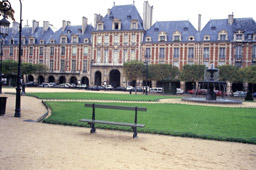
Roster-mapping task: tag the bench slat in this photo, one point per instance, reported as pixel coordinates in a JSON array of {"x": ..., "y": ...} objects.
[
  {"x": 112, "y": 123},
  {"x": 116, "y": 107}
]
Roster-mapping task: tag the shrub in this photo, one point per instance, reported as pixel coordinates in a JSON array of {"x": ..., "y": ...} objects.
[{"x": 248, "y": 96}]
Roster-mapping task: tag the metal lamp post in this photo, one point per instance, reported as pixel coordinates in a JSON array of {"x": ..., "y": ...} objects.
[
  {"x": 4, "y": 29},
  {"x": 18, "y": 89},
  {"x": 146, "y": 62}
]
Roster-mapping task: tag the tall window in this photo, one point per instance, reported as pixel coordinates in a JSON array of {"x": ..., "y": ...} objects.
[
  {"x": 63, "y": 40},
  {"x": 238, "y": 36},
  {"x": 125, "y": 55},
  {"x": 74, "y": 51},
  {"x": 62, "y": 50},
  {"x": 254, "y": 52},
  {"x": 99, "y": 40},
  {"x": 116, "y": 39},
  {"x": 238, "y": 52},
  {"x": 190, "y": 52},
  {"x": 85, "y": 50},
  {"x": 133, "y": 39},
  {"x": 62, "y": 65},
  {"x": 134, "y": 25},
  {"x": 11, "y": 51},
  {"x": 176, "y": 38},
  {"x": 31, "y": 49},
  {"x": 147, "y": 53},
  {"x": 176, "y": 53},
  {"x": 98, "y": 55},
  {"x": 161, "y": 57},
  {"x": 73, "y": 65},
  {"x": 51, "y": 65},
  {"x": 206, "y": 52},
  {"x": 115, "y": 56},
  {"x": 125, "y": 39},
  {"x": 133, "y": 54},
  {"x": 85, "y": 66},
  {"x": 105, "y": 56},
  {"x": 222, "y": 53},
  {"x": 41, "y": 61},
  {"x": 41, "y": 51},
  {"x": 75, "y": 40},
  {"x": 106, "y": 40},
  {"x": 51, "y": 50}
]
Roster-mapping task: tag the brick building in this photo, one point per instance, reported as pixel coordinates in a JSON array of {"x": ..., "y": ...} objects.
[{"x": 94, "y": 55}]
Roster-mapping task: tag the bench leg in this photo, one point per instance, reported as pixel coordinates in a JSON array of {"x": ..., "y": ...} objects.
[
  {"x": 134, "y": 132},
  {"x": 93, "y": 129}
]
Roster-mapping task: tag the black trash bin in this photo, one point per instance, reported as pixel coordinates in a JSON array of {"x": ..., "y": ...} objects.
[{"x": 2, "y": 105}]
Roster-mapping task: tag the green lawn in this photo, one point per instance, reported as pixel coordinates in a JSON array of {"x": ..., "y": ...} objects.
[
  {"x": 99, "y": 96},
  {"x": 219, "y": 123}
]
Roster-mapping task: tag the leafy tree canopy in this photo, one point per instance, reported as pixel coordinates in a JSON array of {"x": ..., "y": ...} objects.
[
  {"x": 133, "y": 69},
  {"x": 192, "y": 73},
  {"x": 229, "y": 73}
]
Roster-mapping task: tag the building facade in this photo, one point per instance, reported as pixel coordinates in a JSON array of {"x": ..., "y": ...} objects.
[{"x": 95, "y": 55}]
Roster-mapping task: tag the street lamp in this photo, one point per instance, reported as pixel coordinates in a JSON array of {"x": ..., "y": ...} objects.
[
  {"x": 4, "y": 29},
  {"x": 18, "y": 89},
  {"x": 146, "y": 62}
]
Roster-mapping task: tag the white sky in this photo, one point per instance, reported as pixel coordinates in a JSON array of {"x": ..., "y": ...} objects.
[{"x": 55, "y": 11}]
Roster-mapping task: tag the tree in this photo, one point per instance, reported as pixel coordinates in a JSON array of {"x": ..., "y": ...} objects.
[
  {"x": 134, "y": 70},
  {"x": 160, "y": 72},
  {"x": 229, "y": 73},
  {"x": 248, "y": 74},
  {"x": 192, "y": 73}
]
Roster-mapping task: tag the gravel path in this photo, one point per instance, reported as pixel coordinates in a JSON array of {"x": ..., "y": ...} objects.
[{"x": 29, "y": 146}]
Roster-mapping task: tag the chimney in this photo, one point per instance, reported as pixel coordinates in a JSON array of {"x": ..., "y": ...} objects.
[
  {"x": 231, "y": 19},
  {"x": 35, "y": 24},
  {"x": 64, "y": 25},
  {"x": 97, "y": 18},
  {"x": 108, "y": 11},
  {"x": 147, "y": 15},
  {"x": 68, "y": 23},
  {"x": 45, "y": 26},
  {"x": 15, "y": 27},
  {"x": 114, "y": 3},
  {"x": 199, "y": 22},
  {"x": 84, "y": 24}
]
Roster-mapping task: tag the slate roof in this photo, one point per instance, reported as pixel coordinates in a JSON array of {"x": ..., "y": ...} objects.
[
  {"x": 213, "y": 27},
  {"x": 122, "y": 12},
  {"x": 74, "y": 30},
  {"x": 184, "y": 27},
  {"x": 27, "y": 33}
]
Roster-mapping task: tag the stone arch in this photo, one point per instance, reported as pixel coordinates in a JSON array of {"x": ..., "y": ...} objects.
[
  {"x": 51, "y": 79},
  {"x": 62, "y": 79},
  {"x": 97, "y": 78},
  {"x": 30, "y": 78},
  {"x": 85, "y": 80},
  {"x": 40, "y": 79},
  {"x": 114, "y": 78},
  {"x": 73, "y": 80}
]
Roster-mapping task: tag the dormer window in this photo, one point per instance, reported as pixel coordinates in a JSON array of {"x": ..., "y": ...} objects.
[
  {"x": 156, "y": 29},
  {"x": 249, "y": 36},
  {"x": 86, "y": 40},
  {"x": 129, "y": 17},
  {"x": 100, "y": 26},
  {"x": 213, "y": 28},
  {"x": 191, "y": 38},
  {"x": 75, "y": 39},
  {"x": 176, "y": 36},
  {"x": 41, "y": 41},
  {"x": 69, "y": 31},
  {"x": 162, "y": 36},
  {"x": 206, "y": 38},
  {"x": 148, "y": 39},
  {"x": 52, "y": 41},
  {"x": 12, "y": 42},
  {"x": 134, "y": 24},
  {"x": 63, "y": 40},
  {"x": 185, "y": 29},
  {"x": 23, "y": 40},
  {"x": 222, "y": 36},
  {"x": 116, "y": 24},
  {"x": 80, "y": 31},
  {"x": 239, "y": 36},
  {"x": 31, "y": 41}
]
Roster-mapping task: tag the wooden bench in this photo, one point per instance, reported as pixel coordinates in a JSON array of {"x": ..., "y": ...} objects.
[{"x": 92, "y": 121}]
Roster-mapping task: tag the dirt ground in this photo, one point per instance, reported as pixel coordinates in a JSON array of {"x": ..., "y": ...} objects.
[{"x": 30, "y": 145}]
